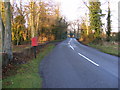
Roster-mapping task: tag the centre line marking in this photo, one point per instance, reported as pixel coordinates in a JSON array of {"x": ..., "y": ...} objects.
[
  {"x": 72, "y": 47},
  {"x": 89, "y": 60}
]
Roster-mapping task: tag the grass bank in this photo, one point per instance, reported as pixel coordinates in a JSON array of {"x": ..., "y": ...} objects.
[
  {"x": 27, "y": 75},
  {"x": 109, "y": 48}
]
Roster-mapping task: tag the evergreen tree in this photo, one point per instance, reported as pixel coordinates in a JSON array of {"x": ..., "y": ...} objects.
[
  {"x": 95, "y": 14},
  {"x": 60, "y": 29},
  {"x": 108, "y": 32}
]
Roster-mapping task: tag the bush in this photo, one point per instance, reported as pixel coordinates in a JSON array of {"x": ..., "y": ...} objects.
[
  {"x": 98, "y": 40},
  {"x": 115, "y": 38}
]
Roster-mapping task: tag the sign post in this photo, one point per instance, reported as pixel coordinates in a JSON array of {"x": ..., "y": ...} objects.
[{"x": 34, "y": 44}]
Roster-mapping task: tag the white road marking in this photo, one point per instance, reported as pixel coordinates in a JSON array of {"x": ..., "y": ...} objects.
[
  {"x": 69, "y": 41},
  {"x": 82, "y": 55},
  {"x": 72, "y": 47},
  {"x": 89, "y": 60},
  {"x": 75, "y": 40}
]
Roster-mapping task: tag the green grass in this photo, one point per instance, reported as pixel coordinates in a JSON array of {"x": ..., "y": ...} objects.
[
  {"x": 27, "y": 75},
  {"x": 109, "y": 48}
]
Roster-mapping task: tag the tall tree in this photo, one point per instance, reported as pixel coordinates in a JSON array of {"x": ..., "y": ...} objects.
[
  {"x": 83, "y": 30},
  {"x": 2, "y": 9},
  {"x": 108, "y": 32},
  {"x": 95, "y": 14},
  {"x": 18, "y": 29},
  {"x": 2, "y": 29},
  {"x": 43, "y": 18},
  {"x": 73, "y": 27},
  {"x": 32, "y": 15},
  {"x": 7, "y": 40},
  {"x": 19, "y": 32},
  {"x": 60, "y": 29},
  {"x": 2, "y": 19}
]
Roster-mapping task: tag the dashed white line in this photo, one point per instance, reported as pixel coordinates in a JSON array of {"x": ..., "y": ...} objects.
[
  {"x": 72, "y": 47},
  {"x": 89, "y": 60},
  {"x": 69, "y": 42},
  {"x": 83, "y": 55}
]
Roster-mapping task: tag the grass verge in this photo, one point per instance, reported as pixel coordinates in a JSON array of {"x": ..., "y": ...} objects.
[
  {"x": 27, "y": 74},
  {"x": 109, "y": 48}
]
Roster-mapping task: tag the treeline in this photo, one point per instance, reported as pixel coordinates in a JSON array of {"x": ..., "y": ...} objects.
[
  {"x": 92, "y": 29},
  {"x": 41, "y": 19},
  {"x": 22, "y": 21}
]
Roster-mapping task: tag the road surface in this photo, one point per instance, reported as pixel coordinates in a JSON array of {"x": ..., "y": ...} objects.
[{"x": 74, "y": 65}]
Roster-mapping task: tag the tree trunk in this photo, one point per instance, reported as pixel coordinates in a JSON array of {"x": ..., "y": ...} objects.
[
  {"x": 32, "y": 19},
  {"x": 8, "y": 36},
  {"x": 2, "y": 29}
]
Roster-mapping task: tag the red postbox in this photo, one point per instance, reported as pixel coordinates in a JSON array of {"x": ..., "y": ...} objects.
[{"x": 34, "y": 41}]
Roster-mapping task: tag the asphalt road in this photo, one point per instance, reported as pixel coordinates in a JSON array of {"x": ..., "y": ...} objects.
[{"x": 74, "y": 65}]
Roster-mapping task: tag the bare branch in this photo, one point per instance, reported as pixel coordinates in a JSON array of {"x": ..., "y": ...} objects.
[{"x": 86, "y": 4}]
